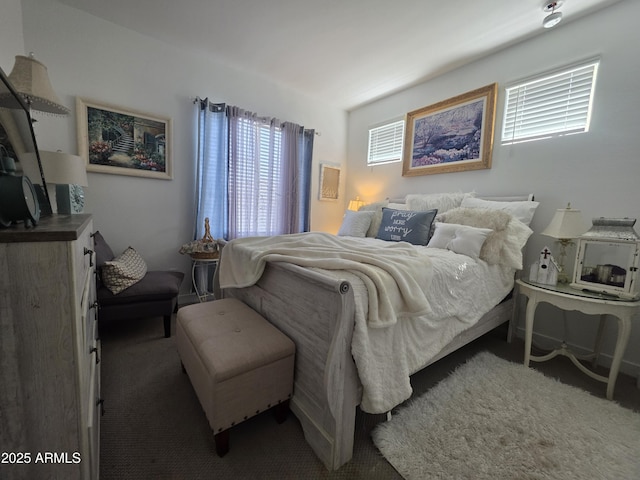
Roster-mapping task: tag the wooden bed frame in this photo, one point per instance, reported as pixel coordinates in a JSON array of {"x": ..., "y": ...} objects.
[{"x": 317, "y": 312}]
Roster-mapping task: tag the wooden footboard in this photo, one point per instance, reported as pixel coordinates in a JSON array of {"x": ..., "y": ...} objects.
[
  {"x": 317, "y": 312},
  {"x": 326, "y": 386}
]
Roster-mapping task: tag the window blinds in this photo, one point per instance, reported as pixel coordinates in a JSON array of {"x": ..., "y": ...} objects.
[
  {"x": 552, "y": 105},
  {"x": 385, "y": 143}
]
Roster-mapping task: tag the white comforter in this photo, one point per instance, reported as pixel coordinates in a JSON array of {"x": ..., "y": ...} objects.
[{"x": 410, "y": 301}]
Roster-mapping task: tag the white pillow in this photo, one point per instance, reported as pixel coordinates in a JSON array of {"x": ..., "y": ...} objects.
[
  {"x": 461, "y": 239},
  {"x": 522, "y": 210},
  {"x": 355, "y": 224},
  {"x": 376, "y": 208},
  {"x": 397, "y": 206},
  {"x": 439, "y": 201}
]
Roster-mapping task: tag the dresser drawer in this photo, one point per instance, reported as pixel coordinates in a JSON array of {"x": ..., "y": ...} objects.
[
  {"x": 93, "y": 417},
  {"x": 84, "y": 258}
]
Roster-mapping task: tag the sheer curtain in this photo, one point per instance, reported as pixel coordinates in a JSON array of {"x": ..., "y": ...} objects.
[{"x": 265, "y": 166}]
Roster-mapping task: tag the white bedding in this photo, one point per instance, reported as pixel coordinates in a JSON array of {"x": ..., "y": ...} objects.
[
  {"x": 461, "y": 292},
  {"x": 431, "y": 296}
]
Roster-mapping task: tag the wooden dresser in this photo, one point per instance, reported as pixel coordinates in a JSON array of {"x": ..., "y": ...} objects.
[{"x": 49, "y": 351}]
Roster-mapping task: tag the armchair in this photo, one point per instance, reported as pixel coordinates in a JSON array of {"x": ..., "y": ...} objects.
[{"x": 155, "y": 295}]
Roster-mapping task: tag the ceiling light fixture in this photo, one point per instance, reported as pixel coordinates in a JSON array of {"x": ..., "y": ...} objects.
[{"x": 554, "y": 17}]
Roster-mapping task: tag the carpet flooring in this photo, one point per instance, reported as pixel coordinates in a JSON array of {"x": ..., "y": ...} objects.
[
  {"x": 154, "y": 427},
  {"x": 493, "y": 419}
]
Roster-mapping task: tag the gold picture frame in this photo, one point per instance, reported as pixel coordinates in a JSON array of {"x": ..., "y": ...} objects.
[
  {"x": 120, "y": 141},
  {"x": 451, "y": 136},
  {"x": 329, "y": 182}
]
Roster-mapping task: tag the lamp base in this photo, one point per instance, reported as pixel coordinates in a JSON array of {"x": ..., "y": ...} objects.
[
  {"x": 563, "y": 277},
  {"x": 69, "y": 199}
]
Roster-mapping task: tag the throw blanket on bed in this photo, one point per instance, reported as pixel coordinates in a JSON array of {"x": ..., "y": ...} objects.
[{"x": 394, "y": 275}]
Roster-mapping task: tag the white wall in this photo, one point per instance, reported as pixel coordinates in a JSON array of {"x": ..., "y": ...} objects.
[
  {"x": 597, "y": 172},
  {"x": 92, "y": 58},
  {"x": 11, "y": 37}
]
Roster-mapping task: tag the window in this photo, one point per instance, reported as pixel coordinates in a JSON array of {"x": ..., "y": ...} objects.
[
  {"x": 254, "y": 173},
  {"x": 256, "y": 178},
  {"x": 555, "y": 104},
  {"x": 385, "y": 143}
]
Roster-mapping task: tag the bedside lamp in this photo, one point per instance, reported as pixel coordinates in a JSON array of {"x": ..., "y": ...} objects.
[
  {"x": 565, "y": 225},
  {"x": 355, "y": 204},
  {"x": 67, "y": 172}
]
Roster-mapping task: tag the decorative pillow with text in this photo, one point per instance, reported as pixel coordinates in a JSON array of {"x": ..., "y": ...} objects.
[{"x": 406, "y": 226}]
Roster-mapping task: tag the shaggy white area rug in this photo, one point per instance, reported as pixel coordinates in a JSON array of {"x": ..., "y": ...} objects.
[{"x": 493, "y": 419}]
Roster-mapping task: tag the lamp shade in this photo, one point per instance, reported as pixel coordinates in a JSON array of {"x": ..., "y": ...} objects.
[
  {"x": 59, "y": 168},
  {"x": 31, "y": 80},
  {"x": 355, "y": 204},
  {"x": 566, "y": 223}
]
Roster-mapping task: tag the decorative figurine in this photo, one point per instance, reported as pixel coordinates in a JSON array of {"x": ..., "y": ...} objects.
[{"x": 545, "y": 270}]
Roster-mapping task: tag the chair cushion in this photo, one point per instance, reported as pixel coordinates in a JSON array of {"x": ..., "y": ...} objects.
[
  {"x": 156, "y": 285},
  {"x": 102, "y": 249}
]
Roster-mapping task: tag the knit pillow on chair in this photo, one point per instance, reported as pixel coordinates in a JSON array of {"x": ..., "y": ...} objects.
[{"x": 123, "y": 271}]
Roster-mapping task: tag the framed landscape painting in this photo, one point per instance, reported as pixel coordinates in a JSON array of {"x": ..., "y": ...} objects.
[
  {"x": 124, "y": 142},
  {"x": 451, "y": 136}
]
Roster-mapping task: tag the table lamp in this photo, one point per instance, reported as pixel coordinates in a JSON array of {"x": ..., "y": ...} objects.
[
  {"x": 67, "y": 172},
  {"x": 355, "y": 204},
  {"x": 566, "y": 224},
  {"x": 31, "y": 80}
]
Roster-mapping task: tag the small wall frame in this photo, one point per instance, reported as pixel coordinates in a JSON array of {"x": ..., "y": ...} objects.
[{"x": 329, "y": 182}]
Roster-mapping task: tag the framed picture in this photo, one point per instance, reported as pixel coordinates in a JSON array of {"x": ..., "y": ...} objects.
[
  {"x": 451, "y": 136},
  {"x": 124, "y": 142},
  {"x": 329, "y": 182}
]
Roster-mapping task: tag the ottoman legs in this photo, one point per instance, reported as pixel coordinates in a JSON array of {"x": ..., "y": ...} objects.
[
  {"x": 281, "y": 411},
  {"x": 238, "y": 363},
  {"x": 222, "y": 443}
]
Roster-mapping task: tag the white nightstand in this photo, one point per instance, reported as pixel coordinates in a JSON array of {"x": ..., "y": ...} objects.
[{"x": 568, "y": 298}]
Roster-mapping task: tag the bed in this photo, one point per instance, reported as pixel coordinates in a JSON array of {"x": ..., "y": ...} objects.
[{"x": 358, "y": 348}]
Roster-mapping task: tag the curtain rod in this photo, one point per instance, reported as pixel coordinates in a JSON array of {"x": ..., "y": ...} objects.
[{"x": 218, "y": 107}]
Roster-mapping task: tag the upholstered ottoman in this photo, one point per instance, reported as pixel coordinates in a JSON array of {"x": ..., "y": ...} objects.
[{"x": 238, "y": 363}]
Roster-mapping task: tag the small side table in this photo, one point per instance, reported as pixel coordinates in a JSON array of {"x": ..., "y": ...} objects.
[
  {"x": 201, "y": 274},
  {"x": 568, "y": 298}
]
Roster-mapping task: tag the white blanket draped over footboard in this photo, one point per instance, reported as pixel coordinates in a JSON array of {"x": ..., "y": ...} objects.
[
  {"x": 392, "y": 273},
  {"x": 410, "y": 301}
]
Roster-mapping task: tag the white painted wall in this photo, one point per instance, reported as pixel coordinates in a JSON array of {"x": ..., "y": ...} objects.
[
  {"x": 598, "y": 172},
  {"x": 11, "y": 37},
  {"x": 92, "y": 58}
]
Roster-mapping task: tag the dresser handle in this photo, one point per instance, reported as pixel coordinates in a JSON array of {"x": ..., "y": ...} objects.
[
  {"x": 100, "y": 403},
  {"x": 95, "y": 350},
  {"x": 95, "y": 305},
  {"x": 88, "y": 251}
]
